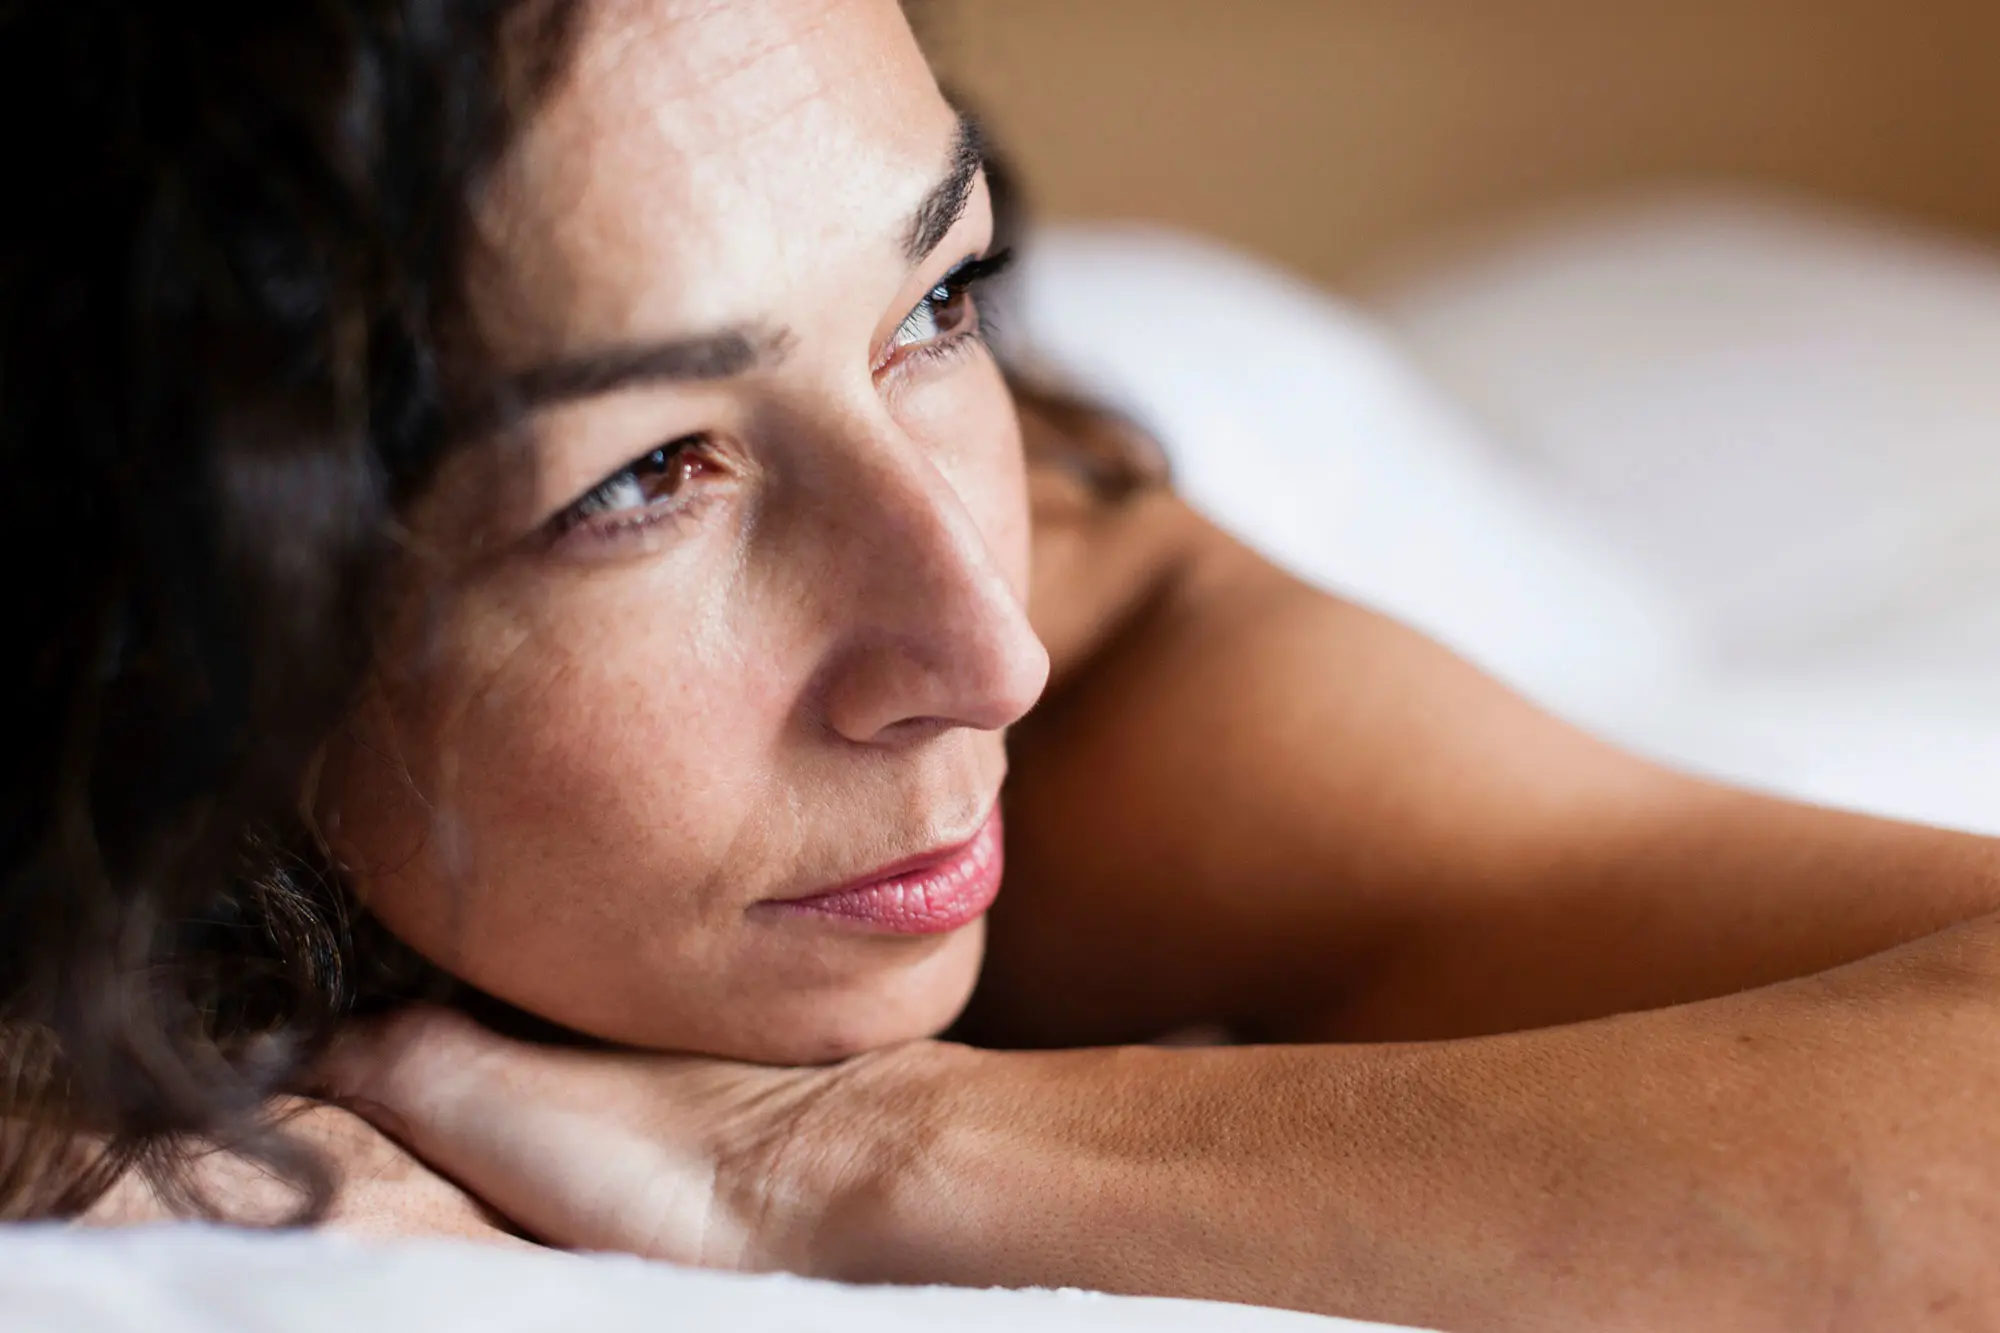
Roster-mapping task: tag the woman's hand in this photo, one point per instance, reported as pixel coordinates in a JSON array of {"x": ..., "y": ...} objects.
[{"x": 696, "y": 1161}]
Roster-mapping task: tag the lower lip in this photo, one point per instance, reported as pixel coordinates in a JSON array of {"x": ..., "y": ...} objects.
[{"x": 935, "y": 900}]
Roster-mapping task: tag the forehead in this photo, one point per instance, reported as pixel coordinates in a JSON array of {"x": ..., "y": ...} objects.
[{"x": 696, "y": 159}]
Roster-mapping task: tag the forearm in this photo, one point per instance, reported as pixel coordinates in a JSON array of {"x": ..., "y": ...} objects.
[
  {"x": 1819, "y": 1153},
  {"x": 1692, "y": 892}
]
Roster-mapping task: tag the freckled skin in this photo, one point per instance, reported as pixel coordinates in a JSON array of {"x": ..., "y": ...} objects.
[
  {"x": 613, "y": 752},
  {"x": 1242, "y": 802}
]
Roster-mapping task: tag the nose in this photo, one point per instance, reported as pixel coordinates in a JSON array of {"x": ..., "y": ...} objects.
[{"x": 930, "y": 633}]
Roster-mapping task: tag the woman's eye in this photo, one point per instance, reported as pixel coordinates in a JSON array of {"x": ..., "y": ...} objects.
[
  {"x": 944, "y": 311},
  {"x": 646, "y": 486},
  {"x": 947, "y": 313}
]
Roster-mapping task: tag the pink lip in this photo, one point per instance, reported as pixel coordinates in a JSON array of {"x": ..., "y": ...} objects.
[{"x": 931, "y": 894}]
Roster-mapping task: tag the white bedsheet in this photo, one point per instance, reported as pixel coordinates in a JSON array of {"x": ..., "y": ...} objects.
[{"x": 203, "y": 1280}]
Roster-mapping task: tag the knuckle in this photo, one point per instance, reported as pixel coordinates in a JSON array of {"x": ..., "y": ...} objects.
[{"x": 420, "y": 1056}]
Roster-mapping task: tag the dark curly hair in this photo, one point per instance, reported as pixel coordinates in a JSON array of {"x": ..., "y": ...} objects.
[
  {"x": 228, "y": 262},
  {"x": 231, "y": 350}
]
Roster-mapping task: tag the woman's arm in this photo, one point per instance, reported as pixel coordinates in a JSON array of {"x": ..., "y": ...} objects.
[
  {"x": 1248, "y": 802},
  {"x": 1822, "y": 1154}
]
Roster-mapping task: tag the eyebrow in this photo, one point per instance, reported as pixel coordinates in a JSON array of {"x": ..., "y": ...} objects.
[
  {"x": 946, "y": 203},
  {"x": 713, "y": 356},
  {"x": 732, "y": 352}
]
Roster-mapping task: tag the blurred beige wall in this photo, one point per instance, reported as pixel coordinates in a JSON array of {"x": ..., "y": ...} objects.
[{"x": 1332, "y": 134}]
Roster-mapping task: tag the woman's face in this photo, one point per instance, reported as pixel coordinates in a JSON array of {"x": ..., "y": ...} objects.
[{"x": 735, "y": 619}]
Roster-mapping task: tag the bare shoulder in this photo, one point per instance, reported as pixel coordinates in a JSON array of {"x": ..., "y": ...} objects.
[
  {"x": 1227, "y": 766},
  {"x": 1247, "y": 802},
  {"x": 1214, "y": 759},
  {"x": 1240, "y": 791}
]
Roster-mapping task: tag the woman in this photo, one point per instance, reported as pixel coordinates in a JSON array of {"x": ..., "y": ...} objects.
[{"x": 547, "y": 513}]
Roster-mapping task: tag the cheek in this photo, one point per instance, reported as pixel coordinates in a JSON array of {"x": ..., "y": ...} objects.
[
  {"x": 629, "y": 738},
  {"x": 583, "y": 771},
  {"x": 584, "y": 819}
]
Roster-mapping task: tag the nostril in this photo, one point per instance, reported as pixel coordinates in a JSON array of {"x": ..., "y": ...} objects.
[
  {"x": 914, "y": 730},
  {"x": 900, "y": 689}
]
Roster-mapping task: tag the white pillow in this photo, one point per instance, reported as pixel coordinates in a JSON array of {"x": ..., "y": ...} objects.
[
  {"x": 205, "y": 1280},
  {"x": 1291, "y": 420},
  {"x": 1791, "y": 418},
  {"x": 1789, "y": 415}
]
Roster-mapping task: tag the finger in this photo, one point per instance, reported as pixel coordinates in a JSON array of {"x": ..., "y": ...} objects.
[
  {"x": 436, "y": 1082},
  {"x": 533, "y": 1131},
  {"x": 420, "y": 1073}
]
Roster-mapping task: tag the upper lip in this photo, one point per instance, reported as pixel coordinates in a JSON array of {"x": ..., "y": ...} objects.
[{"x": 908, "y": 865}]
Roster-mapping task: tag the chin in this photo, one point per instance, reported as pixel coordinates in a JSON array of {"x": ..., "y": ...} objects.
[{"x": 905, "y": 1001}]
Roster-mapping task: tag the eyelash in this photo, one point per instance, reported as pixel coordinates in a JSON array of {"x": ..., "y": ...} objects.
[
  {"x": 961, "y": 282},
  {"x": 590, "y": 514}
]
